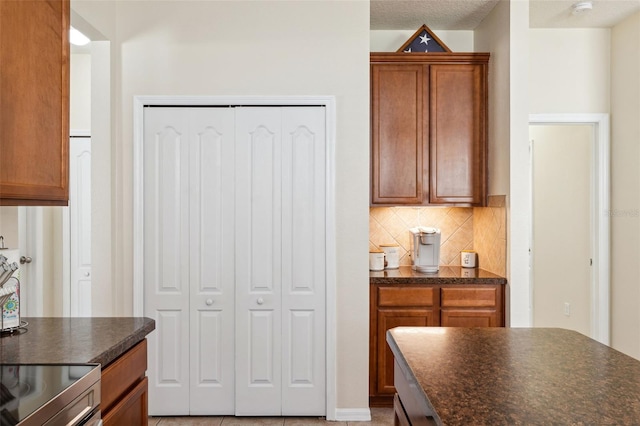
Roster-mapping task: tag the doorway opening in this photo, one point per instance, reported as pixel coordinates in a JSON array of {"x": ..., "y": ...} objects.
[{"x": 569, "y": 242}]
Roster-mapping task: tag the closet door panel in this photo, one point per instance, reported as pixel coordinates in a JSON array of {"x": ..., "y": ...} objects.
[
  {"x": 258, "y": 261},
  {"x": 166, "y": 249},
  {"x": 211, "y": 260},
  {"x": 303, "y": 261}
]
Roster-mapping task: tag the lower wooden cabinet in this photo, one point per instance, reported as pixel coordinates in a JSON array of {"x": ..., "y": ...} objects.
[
  {"x": 416, "y": 305},
  {"x": 479, "y": 306},
  {"x": 124, "y": 399}
]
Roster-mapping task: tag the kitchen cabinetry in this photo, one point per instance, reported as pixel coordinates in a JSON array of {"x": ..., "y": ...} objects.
[
  {"x": 34, "y": 102},
  {"x": 125, "y": 389},
  {"x": 471, "y": 307},
  {"x": 429, "y": 129},
  {"x": 403, "y": 305}
]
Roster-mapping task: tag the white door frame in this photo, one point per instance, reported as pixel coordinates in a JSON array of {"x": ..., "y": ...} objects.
[
  {"x": 139, "y": 102},
  {"x": 600, "y": 196}
]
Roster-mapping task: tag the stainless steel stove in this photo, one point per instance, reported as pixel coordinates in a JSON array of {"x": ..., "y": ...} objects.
[{"x": 49, "y": 395}]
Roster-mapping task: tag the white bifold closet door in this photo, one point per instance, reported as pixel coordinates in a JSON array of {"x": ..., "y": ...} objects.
[{"x": 234, "y": 252}]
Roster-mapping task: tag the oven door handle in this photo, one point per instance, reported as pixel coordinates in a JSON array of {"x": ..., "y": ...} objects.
[{"x": 81, "y": 415}]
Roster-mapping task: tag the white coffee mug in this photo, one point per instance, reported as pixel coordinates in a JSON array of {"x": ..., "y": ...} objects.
[
  {"x": 392, "y": 255},
  {"x": 468, "y": 259},
  {"x": 376, "y": 260}
]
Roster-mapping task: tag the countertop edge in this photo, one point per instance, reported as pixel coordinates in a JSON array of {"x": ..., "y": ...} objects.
[
  {"x": 74, "y": 340},
  {"x": 124, "y": 345},
  {"x": 428, "y": 408},
  {"x": 447, "y": 275}
]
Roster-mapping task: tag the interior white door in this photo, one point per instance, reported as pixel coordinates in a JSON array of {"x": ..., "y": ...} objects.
[
  {"x": 303, "y": 262},
  {"x": 166, "y": 257},
  {"x": 234, "y": 260},
  {"x": 258, "y": 261},
  {"x": 211, "y": 261},
  {"x": 80, "y": 225},
  {"x": 189, "y": 259},
  {"x": 280, "y": 264}
]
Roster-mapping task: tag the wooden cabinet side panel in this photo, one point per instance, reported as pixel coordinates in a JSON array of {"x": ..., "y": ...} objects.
[
  {"x": 34, "y": 101},
  {"x": 458, "y": 148},
  {"x": 132, "y": 409},
  {"x": 398, "y": 134},
  {"x": 121, "y": 375}
]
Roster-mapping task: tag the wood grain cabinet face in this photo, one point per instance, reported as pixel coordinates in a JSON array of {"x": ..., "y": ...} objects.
[
  {"x": 399, "y": 134},
  {"x": 429, "y": 129},
  {"x": 395, "y": 306},
  {"x": 457, "y": 140},
  {"x": 476, "y": 306},
  {"x": 125, "y": 389},
  {"x": 34, "y": 102},
  {"x": 446, "y": 305}
]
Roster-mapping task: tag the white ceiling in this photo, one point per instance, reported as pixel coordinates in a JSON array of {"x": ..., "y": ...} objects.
[{"x": 467, "y": 14}]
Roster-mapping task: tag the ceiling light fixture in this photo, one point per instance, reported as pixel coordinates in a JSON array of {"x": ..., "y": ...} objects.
[
  {"x": 582, "y": 7},
  {"x": 77, "y": 38}
]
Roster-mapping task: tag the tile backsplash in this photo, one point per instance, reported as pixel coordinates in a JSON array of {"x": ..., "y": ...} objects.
[
  {"x": 490, "y": 235},
  {"x": 390, "y": 225},
  {"x": 482, "y": 229}
]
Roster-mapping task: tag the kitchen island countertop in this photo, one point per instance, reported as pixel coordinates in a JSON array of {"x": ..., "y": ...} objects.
[
  {"x": 446, "y": 275},
  {"x": 73, "y": 340},
  {"x": 507, "y": 376}
]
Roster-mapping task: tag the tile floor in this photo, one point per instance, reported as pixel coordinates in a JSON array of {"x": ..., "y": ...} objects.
[{"x": 379, "y": 417}]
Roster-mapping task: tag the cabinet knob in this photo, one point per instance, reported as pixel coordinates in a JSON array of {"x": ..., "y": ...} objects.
[
  {"x": 260, "y": 301},
  {"x": 87, "y": 274},
  {"x": 209, "y": 302},
  {"x": 25, "y": 259}
]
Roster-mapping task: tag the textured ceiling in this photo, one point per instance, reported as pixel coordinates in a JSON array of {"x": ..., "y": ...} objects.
[{"x": 467, "y": 14}]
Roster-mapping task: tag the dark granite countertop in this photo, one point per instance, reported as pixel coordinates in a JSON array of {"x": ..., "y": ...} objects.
[
  {"x": 446, "y": 275},
  {"x": 73, "y": 340},
  {"x": 510, "y": 376}
]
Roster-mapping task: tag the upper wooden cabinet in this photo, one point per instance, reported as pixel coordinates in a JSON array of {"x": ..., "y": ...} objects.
[
  {"x": 429, "y": 128},
  {"x": 34, "y": 102}
]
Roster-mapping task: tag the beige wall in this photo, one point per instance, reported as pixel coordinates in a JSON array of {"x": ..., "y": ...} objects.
[
  {"x": 504, "y": 33},
  {"x": 625, "y": 186},
  {"x": 80, "y": 92},
  {"x": 569, "y": 70},
  {"x": 252, "y": 48},
  {"x": 561, "y": 243}
]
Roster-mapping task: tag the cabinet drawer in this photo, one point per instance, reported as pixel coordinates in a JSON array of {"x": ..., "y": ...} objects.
[
  {"x": 122, "y": 374},
  {"x": 469, "y": 297},
  {"x": 405, "y": 296}
]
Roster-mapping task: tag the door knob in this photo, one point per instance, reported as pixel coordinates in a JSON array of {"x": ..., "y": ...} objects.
[
  {"x": 209, "y": 302},
  {"x": 260, "y": 301},
  {"x": 25, "y": 259}
]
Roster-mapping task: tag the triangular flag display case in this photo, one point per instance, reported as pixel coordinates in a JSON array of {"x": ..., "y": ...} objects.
[{"x": 424, "y": 40}]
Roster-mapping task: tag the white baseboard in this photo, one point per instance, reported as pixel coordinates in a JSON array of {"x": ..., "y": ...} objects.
[{"x": 353, "y": 415}]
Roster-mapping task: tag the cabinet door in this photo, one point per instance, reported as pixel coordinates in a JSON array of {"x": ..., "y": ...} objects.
[
  {"x": 398, "y": 134},
  {"x": 388, "y": 319},
  {"x": 458, "y": 134},
  {"x": 34, "y": 102}
]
